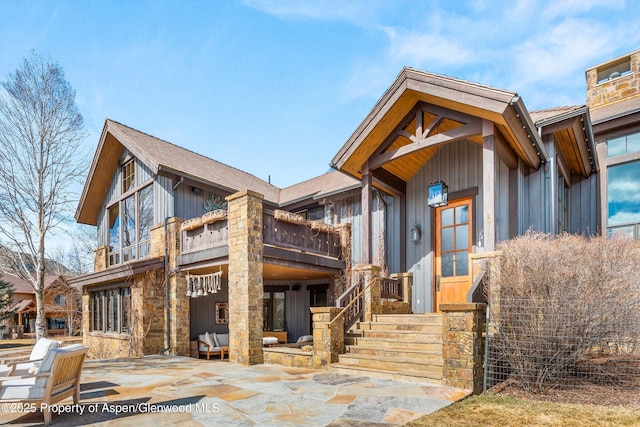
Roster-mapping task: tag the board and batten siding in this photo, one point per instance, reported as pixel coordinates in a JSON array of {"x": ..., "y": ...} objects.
[
  {"x": 202, "y": 312},
  {"x": 583, "y": 205},
  {"x": 459, "y": 165}
]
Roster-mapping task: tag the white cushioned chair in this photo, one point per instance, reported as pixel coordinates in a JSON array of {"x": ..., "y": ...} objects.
[
  {"x": 38, "y": 353},
  {"x": 212, "y": 345},
  {"x": 55, "y": 378}
]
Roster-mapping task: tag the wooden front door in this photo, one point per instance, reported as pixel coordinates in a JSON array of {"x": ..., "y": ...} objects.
[{"x": 453, "y": 246}]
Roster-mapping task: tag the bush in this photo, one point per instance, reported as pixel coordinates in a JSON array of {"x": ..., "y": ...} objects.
[{"x": 558, "y": 300}]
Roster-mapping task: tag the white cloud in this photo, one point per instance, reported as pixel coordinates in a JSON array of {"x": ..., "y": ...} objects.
[
  {"x": 325, "y": 10},
  {"x": 419, "y": 49}
]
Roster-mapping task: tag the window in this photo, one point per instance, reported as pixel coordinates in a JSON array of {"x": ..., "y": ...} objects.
[
  {"x": 623, "y": 199},
  {"x": 273, "y": 311},
  {"x": 313, "y": 214},
  {"x": 60, "y": 300},
  {"x": 128, "y": 175},
  {"x": 614, "y": 70},
  {"x": 623, "y": 145},
  {"x": 130, "y": 220},
  {"x": 111, "y": 310}
]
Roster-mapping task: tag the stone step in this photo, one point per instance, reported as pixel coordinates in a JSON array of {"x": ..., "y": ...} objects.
[
  {"x": 387, "y": 326},
  {"x": 394, "y": 363},
  {"x": 389, "y": 374},
  {"x": 406, "y": 336},
  {"x": 368, "y": 342},
  {"x": 417, "y": 356},
  {"x": 428, "y": 318}
]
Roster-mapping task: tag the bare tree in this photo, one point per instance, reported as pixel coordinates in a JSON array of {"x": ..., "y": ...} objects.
[
  {"x": 65, "y": 301},
  {"x": 41, "y": 130}
]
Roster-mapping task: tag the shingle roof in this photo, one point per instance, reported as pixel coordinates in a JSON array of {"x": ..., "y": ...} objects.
[
  {"x": 329, "y": 183},
  {"x": 545, "y": 114},
  {"x": 166, "y": 155}
]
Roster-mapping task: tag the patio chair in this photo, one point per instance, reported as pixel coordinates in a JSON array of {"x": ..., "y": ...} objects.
[
  {"x": 37, "y": 354},
  {"x": 56, "y": 378}
]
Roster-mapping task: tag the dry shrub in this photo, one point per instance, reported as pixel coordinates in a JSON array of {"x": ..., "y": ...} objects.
[{"x": 558, "y": 300}]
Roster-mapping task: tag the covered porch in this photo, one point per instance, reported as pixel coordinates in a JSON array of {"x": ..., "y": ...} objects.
[{"x": 475, "y": 144}]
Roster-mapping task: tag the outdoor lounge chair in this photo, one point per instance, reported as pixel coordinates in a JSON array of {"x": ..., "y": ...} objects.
[
  {"x": 55, "y": 378},
  {"x": 37, "y": 354},
  {"x": 211, "y": 345}
]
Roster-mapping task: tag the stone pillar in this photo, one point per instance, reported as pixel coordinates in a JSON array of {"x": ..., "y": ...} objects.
[
  {"x": 245, "y": 277},
  {"x": 101, "y": 258},
  {"x": 407, "y": 286},
  {"x": 179, "y": 302},
  {"x": 328, "y": 337},
  {"x": 463, "y": 327},
  {"x": 372, "y": 295}
]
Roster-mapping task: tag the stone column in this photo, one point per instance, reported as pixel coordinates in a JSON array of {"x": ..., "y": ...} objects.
[
  {"x": 245, "y": 277},
  {"x": 179, "y": 302},
  {"x": 328, "y": 337},
  {"x": 463, "y": 327},
  {"x": 372, "y": 295},
  {"x": 101, "y": 258}
]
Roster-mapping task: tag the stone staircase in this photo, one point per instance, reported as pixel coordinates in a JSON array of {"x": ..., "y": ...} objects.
[{"x": 405, "y": 347}]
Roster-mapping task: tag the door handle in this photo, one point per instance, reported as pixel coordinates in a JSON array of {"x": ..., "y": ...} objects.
[{"x": 437, "y": 283}]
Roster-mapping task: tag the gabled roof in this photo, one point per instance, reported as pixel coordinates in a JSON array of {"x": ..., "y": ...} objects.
[
  {"x": 571, "y": 127},
  {"x": 21, "y": 286},
  {"x": 315, "y": 188},
  {"x": 158, "y": 155},
  {"x": 412, "y": 87}
]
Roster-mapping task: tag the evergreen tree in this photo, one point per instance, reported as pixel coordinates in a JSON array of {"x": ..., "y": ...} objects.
[{"x": 6, "y": 299}]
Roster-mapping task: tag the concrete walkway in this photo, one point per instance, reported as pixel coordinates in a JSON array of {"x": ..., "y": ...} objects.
[{"x": 168, "y": 391}]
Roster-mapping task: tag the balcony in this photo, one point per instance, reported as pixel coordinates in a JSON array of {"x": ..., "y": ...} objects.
[{"x": 206, "y": 239}]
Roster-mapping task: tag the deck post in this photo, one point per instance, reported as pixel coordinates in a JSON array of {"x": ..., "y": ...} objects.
[
  {"x": 488, "y": 185},
  {"x": 245, "y": 277}
]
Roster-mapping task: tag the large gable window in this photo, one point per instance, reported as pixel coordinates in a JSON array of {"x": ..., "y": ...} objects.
[{"x": 130, "y": 219}]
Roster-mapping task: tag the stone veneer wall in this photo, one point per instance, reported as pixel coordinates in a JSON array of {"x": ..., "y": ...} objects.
[
  {"x": 245, "y": 277},
  {"x": 147, "y": 322},
  {"x": 287, "y": 356},
  {"x": 100, "y": 258},
  {"x": 463, "y": 327},
  {"x": 328, "y": 335},
  {"x": 615, "y": 89}
]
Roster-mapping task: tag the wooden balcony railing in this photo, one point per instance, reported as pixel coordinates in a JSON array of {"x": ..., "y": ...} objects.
[
  {"x": 302, "y": 237},
  {"x": 198, "y": 235}
]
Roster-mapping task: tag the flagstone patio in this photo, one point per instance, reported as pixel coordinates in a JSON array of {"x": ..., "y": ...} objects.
[{"x": 166, "y": 391}]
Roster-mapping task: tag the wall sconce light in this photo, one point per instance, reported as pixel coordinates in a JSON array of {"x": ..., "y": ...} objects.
[
  {"x": 438, "y": 194},
  {"x": 196, "y": 190},
  {"x": 416, "y": 233}
]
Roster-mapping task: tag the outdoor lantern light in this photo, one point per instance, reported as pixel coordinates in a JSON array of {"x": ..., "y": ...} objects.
[
  {"x": 438, "y": 194},
  {"x": 416, "y": 233}
]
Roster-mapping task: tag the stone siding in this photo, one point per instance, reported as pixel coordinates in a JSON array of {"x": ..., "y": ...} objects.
[
  {"x": 245, "y": 277},
  {"x": 286, "y": 356},
  {"x": 328, "y": 337},
  {"x": 463, "y": 327},
  {"x": 617, "y": 89}
]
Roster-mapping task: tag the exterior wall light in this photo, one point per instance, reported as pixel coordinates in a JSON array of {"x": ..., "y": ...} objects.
[
  {"x": 416, "y": 233},
  {"x": 438, "y": 194}
]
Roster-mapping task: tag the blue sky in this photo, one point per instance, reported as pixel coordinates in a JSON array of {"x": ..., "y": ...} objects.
[{"x": 276, "y": 87}]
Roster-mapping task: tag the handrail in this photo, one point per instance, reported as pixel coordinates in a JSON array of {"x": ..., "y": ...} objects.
[{"x": 348, "y": 324}]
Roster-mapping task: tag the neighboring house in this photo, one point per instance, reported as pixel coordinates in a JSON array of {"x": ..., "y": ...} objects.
[
  {"x": 62, "y": 306},
  {"x": 439, "y": 172}
]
